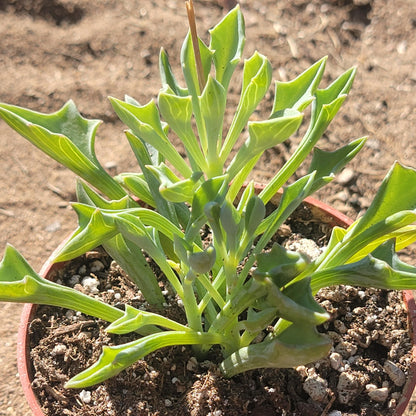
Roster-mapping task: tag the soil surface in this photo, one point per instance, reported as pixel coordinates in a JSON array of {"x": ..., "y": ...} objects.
[{"x": 53, "y": 50}]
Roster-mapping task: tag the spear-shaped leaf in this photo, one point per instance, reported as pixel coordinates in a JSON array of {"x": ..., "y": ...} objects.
[{"x": 66, "y": 137}]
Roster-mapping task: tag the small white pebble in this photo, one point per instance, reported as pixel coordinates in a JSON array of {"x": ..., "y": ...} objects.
[
  {"x": 379, "y": 395},
  {"x": 85, "y": 396},
  {"x": 117, "y": 296},
  {"x": 59, "y": 349},
  {"x": 90, "y": 285},
  {"x": 370, "y": 387},
  {"x": 335, "y": 359},
  {"x": 168, "y": 403},
  {"x": 175, "y": 380},
  {"x": 335, "y": 413}
]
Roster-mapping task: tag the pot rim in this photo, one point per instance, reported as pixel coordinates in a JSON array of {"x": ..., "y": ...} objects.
[{"x": 331, "y": 216}]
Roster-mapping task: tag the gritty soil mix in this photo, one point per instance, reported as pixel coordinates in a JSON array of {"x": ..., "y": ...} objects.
[{"x": 363, "y": 375}]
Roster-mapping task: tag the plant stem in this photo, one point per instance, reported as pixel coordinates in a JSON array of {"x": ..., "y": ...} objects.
[{"x": 194, "y": 36}]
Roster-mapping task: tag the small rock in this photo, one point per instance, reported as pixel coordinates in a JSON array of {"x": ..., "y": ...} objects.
[
  {"x": 346, "y": 349},
  {"x": 59, "y": 349},
  {"x": 168, "y": 403},
  {"x": 90, "y": 285},
  {"x": 335, "y": 360},
  {"x": 96, "y": 266},
  {"x": 346, "y": 176},
  {"x": 192, "y": 364},
  {"x": 335, "y": 413},
  {"x": 396, "y": 375},
  {"x": 350, "y": 385},
  {"x": 85, "y": 396},
  {"x": 340, "y": 326},
  {"x": 307, "y": 247},
  {"x": 316, "y": 387},
  {"x": 379, "y": 395}
]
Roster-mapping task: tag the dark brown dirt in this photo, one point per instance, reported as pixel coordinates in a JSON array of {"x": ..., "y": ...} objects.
[{"x": 52, "y": 50}]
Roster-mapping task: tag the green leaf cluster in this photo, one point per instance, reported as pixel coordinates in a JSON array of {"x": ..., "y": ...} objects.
[{"x": 192, "y": 176}]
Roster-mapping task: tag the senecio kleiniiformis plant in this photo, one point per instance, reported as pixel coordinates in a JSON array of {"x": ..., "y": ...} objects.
[{"x": 233, "y": 289}]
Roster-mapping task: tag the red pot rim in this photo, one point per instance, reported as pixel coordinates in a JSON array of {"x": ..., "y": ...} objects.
[{"x": 332, "y": 217}]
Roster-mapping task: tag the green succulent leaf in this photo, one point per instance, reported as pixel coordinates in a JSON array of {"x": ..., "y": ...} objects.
[
  {"x": 326, "y": 164},
  {"x": 171, "y": 187},
  {"x": 145, "y": 123},
  {"x": 254, "y": 214},
  {"x": 227, "y": 42},
  {"x": 202, "y": 261},
  {"x": 137, "y": 185},
  {"x": 326, "y": 105},
  {"x": 300, "y": 92},
  {"x": 167, "y": 77},
  {"x": 115, "y": 359},
  {"x": 177, "y": 111},
  {"x": 66, "y": 137},
  {"x": 396, "y": 193},
  {"x": 368, "y": 272},
  {"x": 20, "y": 283},
  {"x": 264, "y": 135},
  {"x": 134, "y": 319},
  {"x": 189, "y": 64},
  {"x": 295, "y": 303},
  {"x": 212, "y": 104},
  {"x": 298, "y": 344},
  {"x": 256, "y": 81},
  {"x": 280, "y": 265}
]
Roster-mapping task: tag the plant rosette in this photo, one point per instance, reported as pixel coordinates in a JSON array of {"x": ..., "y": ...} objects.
[
  {"x": 252, "y": 302},
  {"x": 325, "y": 217}
]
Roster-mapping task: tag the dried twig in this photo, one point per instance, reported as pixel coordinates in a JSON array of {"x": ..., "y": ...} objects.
[{"x": 195, "y": 43}]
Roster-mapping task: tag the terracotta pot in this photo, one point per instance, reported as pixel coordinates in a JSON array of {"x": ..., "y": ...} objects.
[{"x": 325, "y": 213}]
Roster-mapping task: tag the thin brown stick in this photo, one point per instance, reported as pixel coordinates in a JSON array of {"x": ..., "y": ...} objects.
[{"x": 194, "y": 36}]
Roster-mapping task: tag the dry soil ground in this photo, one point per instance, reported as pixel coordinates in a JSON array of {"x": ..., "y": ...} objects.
[{"x": 53, "y": 50}]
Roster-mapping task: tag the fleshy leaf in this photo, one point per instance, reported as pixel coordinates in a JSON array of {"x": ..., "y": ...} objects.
[
  {"x": 66, "y": 137},
  {"x": 300, "y": 92},
  {"x": 145, "y": 123},
  {"x": 396, "y": 193},
  {"x": 20, "y": 283},
  {"x": 264, "y": 135},
  {"x": 202, "y": 261},
  {"x": 115, "y": 359},
  {"x": 297, "y": 345},
  {"x": 257, "y": 74},
  {"x": 177, "y": 111},
  {"x": 227, "y": 42},
  {"x": 368, "y": 272},
  {"x": 137, "y": 185},
  {"x": 280, "y": 265},
  {"x": 171, "y": 187},
  {"x": 134, "y": 319},
  {"x": 327, "y": 164},
  {"x": 167, "y": 76}
]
